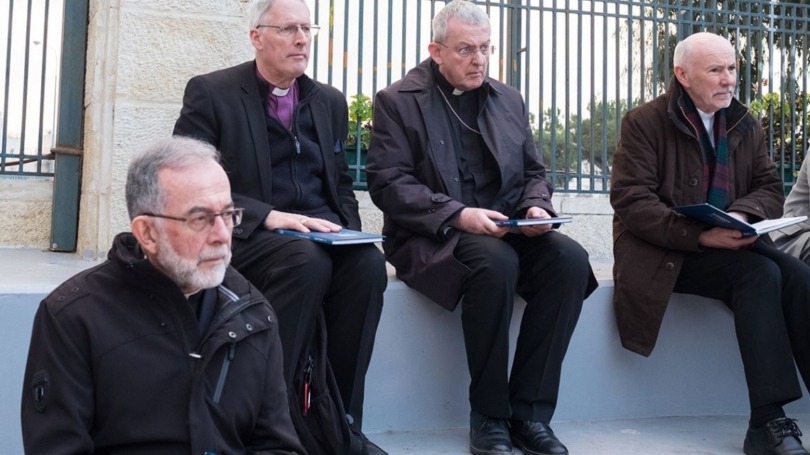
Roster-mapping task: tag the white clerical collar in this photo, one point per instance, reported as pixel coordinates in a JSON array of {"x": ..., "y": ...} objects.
[
  {"x": 280, "y": 91},
  {"x": 458, "y": 92}
]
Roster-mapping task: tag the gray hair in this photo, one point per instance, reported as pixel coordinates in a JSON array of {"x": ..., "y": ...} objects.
[
  {"x": 460, "y": 10},
  {"x": 259, "y": 9},
  {"x": 143, "y": 193}
]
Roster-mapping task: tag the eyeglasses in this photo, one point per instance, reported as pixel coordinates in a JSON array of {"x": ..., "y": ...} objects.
[
  {"x": 469, "y": 51},
  {"x": 231, "y": 217},
  {"x": 290, "y": 30}
]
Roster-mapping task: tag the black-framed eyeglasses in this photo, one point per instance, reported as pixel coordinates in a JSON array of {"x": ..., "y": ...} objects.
[
  {"x": 469, "y": 51},
  {"x": 287, "y": 31},
  {"x": 202, "y": 221}
]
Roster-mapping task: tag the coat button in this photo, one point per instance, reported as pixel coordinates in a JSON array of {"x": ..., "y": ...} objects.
[
  {"x": 693, "y": 181},
  {"x": 431, "y": 210},
  {"x": 683, "y": 232},
  {"x": 60, "y": 298},
  {"x": 455, "y": 179},
  {"x": 270, "y": 318},
  {"x": 441, "y": 142},
  {"x": 669, "y": 266},
  {"x": 249, "y": 327},
  {"x": 232, "y": 334},
  {"x": 76, "y": 289}
]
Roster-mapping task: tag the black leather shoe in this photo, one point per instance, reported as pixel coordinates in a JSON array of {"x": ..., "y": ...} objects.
[
  {"x": 535, "y": 438},
  {"x": 777, "y": 437},
  {"x": 488, "y": 435}
]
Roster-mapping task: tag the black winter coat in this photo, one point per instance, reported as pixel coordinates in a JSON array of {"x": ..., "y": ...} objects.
[{"x": 111, "y": 369}]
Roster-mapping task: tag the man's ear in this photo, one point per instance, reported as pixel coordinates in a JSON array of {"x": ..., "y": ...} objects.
[
  {"x": 681, "y": 75},
  {"x": 254, "y": 38},
  {"x": 146, "y": 233},
  {"x": 435, "y": 52}
]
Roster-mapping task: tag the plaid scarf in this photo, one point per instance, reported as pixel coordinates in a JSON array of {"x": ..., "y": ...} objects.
[{"x": 715, "y": 171}]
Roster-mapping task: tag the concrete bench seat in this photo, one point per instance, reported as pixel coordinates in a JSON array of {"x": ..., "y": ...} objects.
[{"x": 418, "y": 376}]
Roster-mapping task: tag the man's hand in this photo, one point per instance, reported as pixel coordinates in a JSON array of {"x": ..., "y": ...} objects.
[
  {"x": 479, "y": 221},
  {"x": 539, "y": 229},
  {"x": 302, "y": 223},
  {"x": 729, "y": 239}
]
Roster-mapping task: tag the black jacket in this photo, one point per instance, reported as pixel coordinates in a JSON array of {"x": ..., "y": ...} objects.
[
  {"x": 224, "y": 108},
  {"x": 111, "y": 371}
]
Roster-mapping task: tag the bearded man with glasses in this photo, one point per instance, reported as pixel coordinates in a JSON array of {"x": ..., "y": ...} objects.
[
  {"x": 452, "y": 153},
  {"x": 282, "y": 138},
  {"x": 163, "y": 348}
]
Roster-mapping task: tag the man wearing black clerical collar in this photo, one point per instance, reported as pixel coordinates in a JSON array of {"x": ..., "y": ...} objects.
[
  {"x": 451, "y": 153},
  {"x": 283, "y": 141},
  {"x": 121, "y": 362}
]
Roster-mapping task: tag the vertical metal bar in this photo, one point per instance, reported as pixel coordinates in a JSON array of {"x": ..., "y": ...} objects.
[
  {"x": 390, "y": 50},
  {"x": 360, "y": 52},
  {"x": 315, "y": 41},
  {"x": 346, "y": 46},
  {"x": 375, "y": 49},
  {"x": 331, "y": 49},
  {"x": 6, "y": 94},
  {"x": 418, "y": 32},
  {"x": 42, "y": 87},
  {"x": 605, "y": 120},
  {"x": 68, "y": 152},
  {"x": 404, "y": 63},
  {"x": 553, "y": 119},
  {"x": 24, "y": 119}
]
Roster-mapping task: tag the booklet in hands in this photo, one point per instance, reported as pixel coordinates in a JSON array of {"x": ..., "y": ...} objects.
[
  {"x": 344, "y": 237},
  {"x": 713, "y": 216},
  {"x": 533, "y": 221}
]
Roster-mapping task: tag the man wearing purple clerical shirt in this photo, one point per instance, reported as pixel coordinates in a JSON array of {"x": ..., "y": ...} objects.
[{"x": 282, "y": 138}]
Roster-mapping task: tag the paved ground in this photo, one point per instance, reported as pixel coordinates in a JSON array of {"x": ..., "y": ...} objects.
[{"x": 656, "y": 436}]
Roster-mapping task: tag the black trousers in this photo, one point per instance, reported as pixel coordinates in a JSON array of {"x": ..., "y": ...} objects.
[
  {"x": 552, "y": 273},
  {"x": 769, "y": 293},
  {"x": 297, "y": 276}
]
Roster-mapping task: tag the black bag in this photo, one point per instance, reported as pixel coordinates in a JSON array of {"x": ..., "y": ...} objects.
[{"x": 315, "y": 403}]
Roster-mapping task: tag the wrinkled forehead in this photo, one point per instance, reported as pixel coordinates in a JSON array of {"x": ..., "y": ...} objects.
[{"x": 459, "y": 32}]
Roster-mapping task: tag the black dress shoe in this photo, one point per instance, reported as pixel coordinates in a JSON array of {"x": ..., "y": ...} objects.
[
  {"x": 777, "y": 437},
  {"x": 488, "y": 435},
  {"x": 535, "y": 438}
]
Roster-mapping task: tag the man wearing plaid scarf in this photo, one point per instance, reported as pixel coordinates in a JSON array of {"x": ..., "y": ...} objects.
[{"x": 698, "y": 144}]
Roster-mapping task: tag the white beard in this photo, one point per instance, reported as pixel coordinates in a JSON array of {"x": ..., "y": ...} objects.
[{"x": 186, "y": 272}]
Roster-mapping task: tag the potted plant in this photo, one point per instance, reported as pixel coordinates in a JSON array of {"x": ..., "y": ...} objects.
[{"x": 358, "y": 139}]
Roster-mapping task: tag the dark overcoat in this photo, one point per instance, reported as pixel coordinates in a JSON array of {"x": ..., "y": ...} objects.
[
  {"x": 659, "y": 165},
  {"x": 413, "y": 176},
  {"x": 224, "y": 108}
]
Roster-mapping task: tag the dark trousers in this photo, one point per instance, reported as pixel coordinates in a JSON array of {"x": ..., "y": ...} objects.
[
  {"x": 769, "y": 293},
  {"x": 552, "y": 273},
  {"x": 297, "y": 276}
]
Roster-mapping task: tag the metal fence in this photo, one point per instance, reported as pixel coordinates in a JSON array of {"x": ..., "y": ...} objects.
[
  {"x": 30, "y": 47},
  {"x": 581, "y": 65}
]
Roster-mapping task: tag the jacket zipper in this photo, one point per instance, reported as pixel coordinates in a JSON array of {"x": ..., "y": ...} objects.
[{"x": 223, "y": 373}]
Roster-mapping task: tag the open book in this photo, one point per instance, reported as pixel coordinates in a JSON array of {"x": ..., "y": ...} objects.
[
  {"x": 344, "y": 237},
  {"x": 713, "y": 216}
]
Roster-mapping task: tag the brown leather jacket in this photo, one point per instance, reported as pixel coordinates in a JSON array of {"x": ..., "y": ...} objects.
[{"x": 659, "y": 165}]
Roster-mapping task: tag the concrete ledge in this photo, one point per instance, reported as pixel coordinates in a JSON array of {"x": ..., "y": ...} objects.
[{"x": 418, "y": 378}]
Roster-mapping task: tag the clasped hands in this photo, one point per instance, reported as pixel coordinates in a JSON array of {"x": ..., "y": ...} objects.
[{"x": 482, "y": 221}]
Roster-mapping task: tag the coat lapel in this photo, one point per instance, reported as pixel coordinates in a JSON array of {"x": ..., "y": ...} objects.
[
  {"x": 439, "y": 139},
  {"x": 254, "y": 112}
]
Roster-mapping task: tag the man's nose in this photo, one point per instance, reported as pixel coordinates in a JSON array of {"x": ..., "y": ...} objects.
[{"x": 220, "y": 231}]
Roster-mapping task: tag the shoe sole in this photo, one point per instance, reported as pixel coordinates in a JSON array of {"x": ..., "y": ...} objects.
[
  {"x": 522, "y": 447},
  {"x": 748, "y": 449},
  {"x": 484, "y": 452}
]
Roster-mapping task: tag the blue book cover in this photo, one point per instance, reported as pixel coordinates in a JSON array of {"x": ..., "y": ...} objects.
[
  {"x": 713, "y": 216},
  {"x": 344, "y": 237},
  {"x": 533, "y": 221}
]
